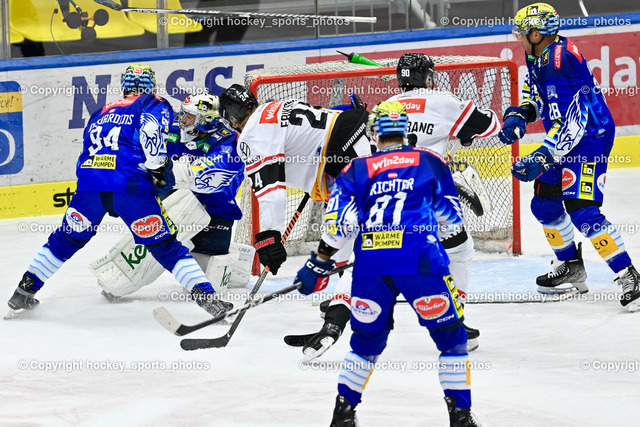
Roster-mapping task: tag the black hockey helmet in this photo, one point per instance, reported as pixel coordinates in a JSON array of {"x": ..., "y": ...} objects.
[
  {"x": 235, "y": 102},
  {"x": 413, "y": 70}
]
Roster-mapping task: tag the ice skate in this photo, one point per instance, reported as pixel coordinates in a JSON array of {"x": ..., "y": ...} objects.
[
  {"x": 628, "y": 279},
  {"x": 321, "y": 341},
  {"x": 566, "y": 276},
  {"x": 459, "y": 417},
  {"x": 344, "y": 415},
  {"x": 472, "y": 338},
  {"x": 23, "y": 297},
  {"x": 204, "y": 296}
]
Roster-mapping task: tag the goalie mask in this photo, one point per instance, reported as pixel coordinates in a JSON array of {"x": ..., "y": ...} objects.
[
  {"x": 138, "y": 79},
  {"x": 387, "y": 119},
  {"x": 235, "y": 103},
  {"x": 198, "y": 113},
  {"x": 414, "y": 69}
]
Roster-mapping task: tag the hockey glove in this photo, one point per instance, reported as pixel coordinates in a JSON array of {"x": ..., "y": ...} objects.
[
  {"x": 270, "y": 249},
  {"x": 533, "y": 165},
  {"x": 314, "y": 275},
  {"x": 163, "y": 176},
  {"x": 514, "y": 125}
]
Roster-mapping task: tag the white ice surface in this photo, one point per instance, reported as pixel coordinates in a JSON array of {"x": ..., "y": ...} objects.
[{"x": 537, "y": 365}]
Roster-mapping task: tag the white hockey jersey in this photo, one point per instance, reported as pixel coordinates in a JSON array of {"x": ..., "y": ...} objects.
[
  {"x": 282, "y": 146},
  {"x": 435, "y": 115}
]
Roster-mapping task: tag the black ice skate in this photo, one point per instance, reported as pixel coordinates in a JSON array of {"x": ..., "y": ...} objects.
[
  {"x": 210, "y": 302},
  {"x": 472, "y": 338},
  {"x": 23, "y": 297},
  {"x": 570, "y": 273},
  {"x": 459, "y": 417},
  {"x": 344, "y": 415},
  {"x": 629, "y": 279}
]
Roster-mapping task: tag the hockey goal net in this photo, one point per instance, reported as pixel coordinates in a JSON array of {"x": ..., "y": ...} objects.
[{"x": 488, "y": 82}]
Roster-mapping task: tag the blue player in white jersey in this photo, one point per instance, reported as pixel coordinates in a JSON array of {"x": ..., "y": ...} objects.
[
  {"x": 570, "y": 166},
  {"x": 123, "y": 161},
  {"x": 398, "y": 204}
]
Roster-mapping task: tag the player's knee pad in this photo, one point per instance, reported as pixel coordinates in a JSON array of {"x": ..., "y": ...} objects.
[
  {"x": 168, "y": 252},
  {"x": 589, "y": 220},
  {"x": 460, "y": 266},
  {"x": 447, "y": 337},
  {"x": 371, "y": 343},
  {"x": 547, "y": 210}
]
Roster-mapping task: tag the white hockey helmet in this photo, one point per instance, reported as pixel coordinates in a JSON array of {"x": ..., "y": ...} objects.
[{"x": 198, "y": 113}]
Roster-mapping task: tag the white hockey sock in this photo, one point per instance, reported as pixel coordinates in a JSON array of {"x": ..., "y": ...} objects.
[
  {"x": 188, "y": 272},
  {"x": 44, "y": 264},
  {"x": 453, "y": 372},
  {"x": 355, "y": 372}
]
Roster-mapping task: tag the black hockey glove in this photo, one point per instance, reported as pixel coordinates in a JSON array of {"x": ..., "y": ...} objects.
[
  {"x": 163, "y": 176},
  {"x": 270, "y": 249}
]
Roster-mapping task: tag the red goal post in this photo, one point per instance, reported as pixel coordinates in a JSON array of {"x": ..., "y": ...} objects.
[{"x": 489, "y": 82}]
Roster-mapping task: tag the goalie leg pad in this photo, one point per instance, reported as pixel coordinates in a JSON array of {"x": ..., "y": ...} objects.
[
  {"x": 128, "y": 267},
  {"x": 219, "y": 272},
  {"x": 241, "y": 272},
  {"x": 460, "y": 258}
]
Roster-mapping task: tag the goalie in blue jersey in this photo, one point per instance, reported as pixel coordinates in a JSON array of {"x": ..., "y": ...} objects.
[
  {"x": 570, "y": 167},
  {"x": 123, "y": 162},
  {"x": 398, "y": 204}
]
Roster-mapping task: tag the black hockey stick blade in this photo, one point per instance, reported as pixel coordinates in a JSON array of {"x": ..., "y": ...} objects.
[
  {"x": 298, "y": 340},
  {"x": 199, "y": 343}
]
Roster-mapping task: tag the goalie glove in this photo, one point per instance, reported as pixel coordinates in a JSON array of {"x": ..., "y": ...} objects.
[
  {"x": 530, "y": 167},
  {"x": 514, "y": 124},
  {"x": 314, "y": 275},
  {"x": 183, "y": 173},
  {"x": 271, "y": 251}
]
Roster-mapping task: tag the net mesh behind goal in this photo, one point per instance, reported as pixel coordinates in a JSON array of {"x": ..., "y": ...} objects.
[{"x": 488, "y": 82}]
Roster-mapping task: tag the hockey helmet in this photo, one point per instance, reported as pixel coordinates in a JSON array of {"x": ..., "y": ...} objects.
[
  {"x": 413, "y": 70},
  {"x": 388, "y": 118},
  {"x": 540, "y": 16},
  {"x": 198, "y": 113},
  {"x": 139, "y": 79},
  {"x": 235, "y": 102}
]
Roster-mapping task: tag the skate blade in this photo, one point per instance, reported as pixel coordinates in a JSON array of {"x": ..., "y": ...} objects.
[
  {"x": 633, "y": 306},
  {"x": 574, "y": 288},
  {"x": 472, "y": 344},
  {"x": 13, "y": 313}
]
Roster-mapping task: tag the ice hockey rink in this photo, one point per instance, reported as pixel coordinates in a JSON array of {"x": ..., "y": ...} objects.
[{"x": 79, "y": 360}]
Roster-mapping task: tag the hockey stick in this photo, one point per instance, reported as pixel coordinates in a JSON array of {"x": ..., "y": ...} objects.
[
  {"x": 163, "y": 316},
  {"x": 316, "y": 19},
  {"x": 200, "y": 343}
]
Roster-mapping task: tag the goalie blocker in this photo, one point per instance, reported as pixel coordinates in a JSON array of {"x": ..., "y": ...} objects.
[{"x": 128, "y": 267}]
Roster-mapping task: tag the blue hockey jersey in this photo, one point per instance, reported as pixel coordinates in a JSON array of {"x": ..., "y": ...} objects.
[
  {"x": 565, "y": 94},
  {"x": 218, "y": 169},
  {"x": 122, "y": 142},
  {"x": 398, "y": 203}
]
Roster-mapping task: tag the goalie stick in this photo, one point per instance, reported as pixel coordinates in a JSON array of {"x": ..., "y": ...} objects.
[
  {"x": 163, "y": 316},
  {"x": 348, "y": 19}
]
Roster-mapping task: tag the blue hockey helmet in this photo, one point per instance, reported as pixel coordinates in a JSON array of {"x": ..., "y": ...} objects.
[
  {"x": 388, "y": 118},
  {"x": 139, "y": 79}
]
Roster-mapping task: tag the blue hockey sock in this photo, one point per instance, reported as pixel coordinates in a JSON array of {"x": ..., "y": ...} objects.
[
  {"x": 603, "y": 235},
  {"x": 354, "y": 375},
  {"x": 454, "y": 375},
  {"x": 44, "y": 264}
]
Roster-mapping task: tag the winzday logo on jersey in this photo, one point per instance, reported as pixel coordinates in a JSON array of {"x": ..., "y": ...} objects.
[
  {"x": 379, "y": 164},
  {"x": 412, "y": 105},
  {"x": 148, "y": 226},
  {"x": 270, "y": 112}
]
